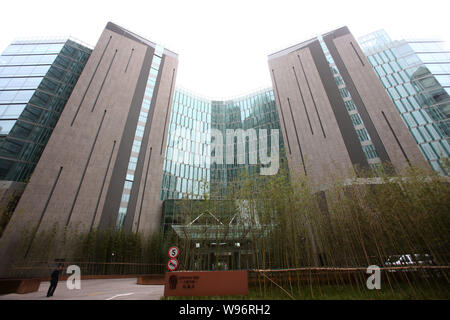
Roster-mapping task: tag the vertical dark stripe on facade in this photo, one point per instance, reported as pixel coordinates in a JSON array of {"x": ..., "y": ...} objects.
[
  {"x": 296, "y": 134},
  {"x": 310, "y": 92},
  {"x": 103, "y": 184},
  {"x": 43, "y": 212},
  {"x": 303, "y": 100},
  {"x": 115, "y": 187},
  {"x": 85, "y": 168},
  {"x": 396, "y": 138},
  {"x": 357, "y": 54},
  {"x": 103, "y": 82},
  {"x": 90, "y": 81},
  {"x": 129, "y": 59},
  {"x": 322, "y": 203},
  {"x": 356, "y": 97},
  {"x": 281, "y": 110},
  {"x": 351, "y": 141},
  {"x": 132, "y": 203},
  {"x": 143, "y": 191},
  {"x": 167, "y": 111}
]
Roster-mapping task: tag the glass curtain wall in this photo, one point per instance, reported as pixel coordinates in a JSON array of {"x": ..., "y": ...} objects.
[
  {"x": 188, "y": 171},
  {"x": 36, "y": 80},
  {"x": 416, "y": 75}
]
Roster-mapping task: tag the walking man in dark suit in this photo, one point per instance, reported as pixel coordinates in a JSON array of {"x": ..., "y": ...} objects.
[{"x": 54, "y": 280}]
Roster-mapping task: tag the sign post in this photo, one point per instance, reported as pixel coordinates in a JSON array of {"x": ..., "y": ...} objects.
[{"x": 172, "y": 265}]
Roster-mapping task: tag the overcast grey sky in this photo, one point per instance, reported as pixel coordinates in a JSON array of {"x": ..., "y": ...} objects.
[{"x": 223, "y": 45}]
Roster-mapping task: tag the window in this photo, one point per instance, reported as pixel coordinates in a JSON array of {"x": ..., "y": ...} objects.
[
  {"x": 394, "y": 65},
  {"x": 372, "y": 61},
  {"x": 435, "y": 57},
  {"x": 125, "y": 197},
  {"x": 400, "y": 106},
  {"x": 402, "y": 91},
  {"x": 387, "y": 68},
  {"x": 344, "y": 92},
  {"x": 397, "y": 78},
  {"x": 156, "y": 61},
  {"x": 140, "y": 131},
  {"x": 393, "y": 93},
  {"x": 6, "y": 126},
  {"x": 439, "y": 68},
  {"x": 425, "y": 133},
  {"x": 431, "y": 128},
  {"x": 7, "y": 96},
  {"x": 444, "y": 80},
  {"x": 418, "y": 117},
  {"x": 378, "y": 59},
  {"x": 416, "y": 134},
  {"x": 385, "y": 82},
  {"x": 438, "y": 112},
  {"x": 23, "y": 95},
  {"x": 380, "y": 71},
  {"x": 350, "y": 105},
  {"x": 149, "y": 91},
  {"x": 409, "y": 119},
  {"x": 363, "y": 135},
  {"x": 370, "y": 152},
  {"x": 153, "y": 72},
  {"x": 356, "y": 119},
  {"x": 339, "y": 81},
  {"x": 32, "y": 83},
  {"x": 11, "y": 111},
  {"x": 128, "y": 185},
  {"x": 334, "y": 70},
  {"x": 428, "y": 151}
]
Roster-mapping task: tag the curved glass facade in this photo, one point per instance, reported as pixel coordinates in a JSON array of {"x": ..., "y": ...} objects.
[
  {"x": 416, "y": 76},
  {"x": 188, "y": 170}
]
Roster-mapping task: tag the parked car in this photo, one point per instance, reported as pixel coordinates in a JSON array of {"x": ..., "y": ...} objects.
[{"x": 419, "y": 259}]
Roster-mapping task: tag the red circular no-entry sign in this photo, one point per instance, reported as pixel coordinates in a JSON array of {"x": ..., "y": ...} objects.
[{"x": 172, "y": 265}]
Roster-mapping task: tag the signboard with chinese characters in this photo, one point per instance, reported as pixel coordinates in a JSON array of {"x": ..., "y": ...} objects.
[{"x": 206, "y": 283}]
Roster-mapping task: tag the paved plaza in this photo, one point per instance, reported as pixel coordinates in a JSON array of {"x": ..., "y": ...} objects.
[{"x": 98, "y": 289}]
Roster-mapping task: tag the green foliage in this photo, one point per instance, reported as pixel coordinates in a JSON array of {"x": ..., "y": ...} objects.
[
  {"x": 351, "y": 223},
  {"x": 335, "y": 292},
  {"x": 6, "y": 213},
  {"x": 281, "y": 222}
]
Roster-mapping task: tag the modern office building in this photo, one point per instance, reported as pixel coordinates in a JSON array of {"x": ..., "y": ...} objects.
[
  {"x": 103, "y": 163},
  {"x": 188, "y": 170},
  {"x": 416, "y": 75},
  {"x": 128, "y": 141},
  {"x": 190, "y": 173},
  {"x": 335, "y": 114},
  {"x": 37, "y": 77}
]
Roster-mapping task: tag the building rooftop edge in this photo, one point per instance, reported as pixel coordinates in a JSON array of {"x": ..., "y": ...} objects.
[
  {"x": 43, "y": 39},
  {"x": 343, "y": 29},
  {"x": 113, "y": 26},
  {"x": 223, "y": 99}
]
